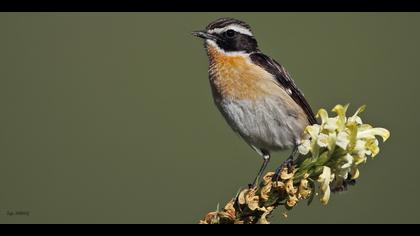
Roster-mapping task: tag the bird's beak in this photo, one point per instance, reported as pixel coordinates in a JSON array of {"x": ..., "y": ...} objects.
[{"x": 204, "y": 35}]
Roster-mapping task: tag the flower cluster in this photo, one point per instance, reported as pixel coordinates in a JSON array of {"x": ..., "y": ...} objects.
[
  {"x": 330, "y": 154},
  {"x": 336, "y": 147}
]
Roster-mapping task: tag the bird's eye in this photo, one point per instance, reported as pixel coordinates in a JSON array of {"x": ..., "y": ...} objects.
[{"x": 230, "y": 33}]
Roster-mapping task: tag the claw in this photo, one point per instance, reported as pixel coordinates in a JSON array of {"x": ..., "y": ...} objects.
[{"x": 286, "y": 164}]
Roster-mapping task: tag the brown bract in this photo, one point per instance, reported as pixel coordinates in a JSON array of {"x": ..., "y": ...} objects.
[{"x": 255, "y": 205}]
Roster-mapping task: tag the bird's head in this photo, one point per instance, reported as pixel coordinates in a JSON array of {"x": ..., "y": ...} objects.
[{"x": 229, "y": 35}]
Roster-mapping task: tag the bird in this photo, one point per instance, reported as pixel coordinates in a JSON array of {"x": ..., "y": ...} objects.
[{"x": 255, "y": 94}]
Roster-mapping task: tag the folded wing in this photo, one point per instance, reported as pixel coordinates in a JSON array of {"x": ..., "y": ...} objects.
[{"x": 284, "y": 79}]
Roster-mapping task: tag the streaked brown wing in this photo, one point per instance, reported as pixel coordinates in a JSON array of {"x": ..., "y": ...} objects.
[{"x": 285, "y": 80}]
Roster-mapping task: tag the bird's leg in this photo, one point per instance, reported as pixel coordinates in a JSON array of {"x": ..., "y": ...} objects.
[
  {"x": 288, "y": 163},
  {"x": 266, "y": 159}
]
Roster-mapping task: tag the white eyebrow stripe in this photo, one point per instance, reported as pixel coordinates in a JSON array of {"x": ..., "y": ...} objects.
[{"x": 237, "y": 28}]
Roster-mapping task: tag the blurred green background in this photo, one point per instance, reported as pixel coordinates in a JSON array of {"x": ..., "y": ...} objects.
[{"x": 108, "y": 117}]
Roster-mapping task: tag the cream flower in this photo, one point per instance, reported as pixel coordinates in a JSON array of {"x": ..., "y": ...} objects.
[
  {"x": 332, "y": 141},
  {"x": 324, "y": 180},
  {"x": 304, "y": 147},
  {"x": 355, "y": 118},
  {"x": 331, "y": 124},
  {"x": 348, "y": 161},
  {"x": 323, "y": 114},
  {"x": 356, "y": 141},
  {"x": 354, "y": 173},
  {"x": 313, "y": 131},
  {"x": 341, "y": 110},
  {"x": 345, "y": 168},
  {"x": 342, "y": 140},
  {"x": 371, "y": 133},
  {"x": 322, "y": 140},
  {"x": 360, "y": 149},
  {"x": 373, "y": 146}
]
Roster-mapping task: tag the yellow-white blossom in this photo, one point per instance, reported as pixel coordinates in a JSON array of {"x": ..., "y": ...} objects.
[
  {"x": 324, "y": 180},
  {"x": 304, "y": 147},
  {"x": 322, "y": 140},
  {"x": 342, "y": 140},
  {"x": 372, "y": 132},
  {"x": 348, "y": 161},
  {"x": 339, "y": 145}
]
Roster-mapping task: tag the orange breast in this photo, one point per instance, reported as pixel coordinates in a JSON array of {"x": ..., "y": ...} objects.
[{"x": 234, "y": 76}]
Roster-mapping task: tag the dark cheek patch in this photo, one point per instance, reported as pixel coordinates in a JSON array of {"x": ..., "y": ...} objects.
[{"x": 239, "y": 43}]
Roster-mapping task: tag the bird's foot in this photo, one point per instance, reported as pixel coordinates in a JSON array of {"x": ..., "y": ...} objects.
[{"x": 288, "y": 163}]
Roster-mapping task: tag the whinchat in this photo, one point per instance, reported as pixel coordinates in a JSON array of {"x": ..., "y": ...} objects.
[{"x": 254, "y": 93}]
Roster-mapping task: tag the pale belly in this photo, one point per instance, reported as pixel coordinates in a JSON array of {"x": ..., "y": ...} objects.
[{"x": 265, "y": 123}]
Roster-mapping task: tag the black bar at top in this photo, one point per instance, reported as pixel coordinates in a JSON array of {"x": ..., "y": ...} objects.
[{"x": 210, "y": 5}]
